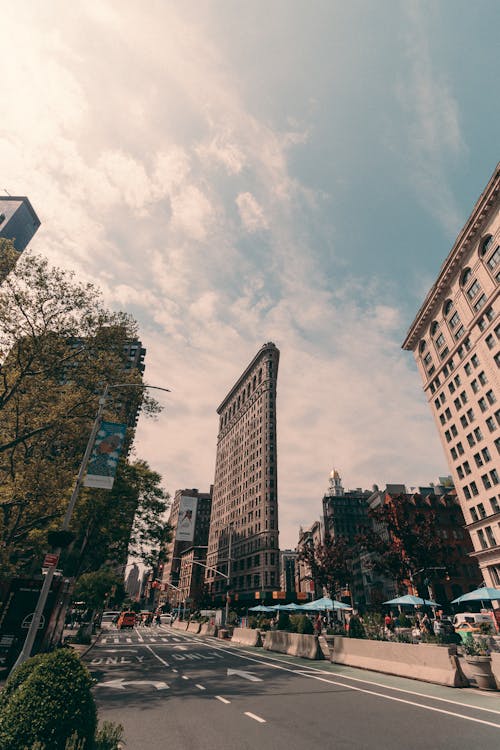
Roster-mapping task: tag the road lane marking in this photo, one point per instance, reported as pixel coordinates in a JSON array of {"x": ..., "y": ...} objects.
[
  {"x": 152, "y": 640},
  {"x": 165, "y": 663},
  {"x": 175, "y": 670},
  {"x": 116, "y": 640},
  {"x": 139, "y": 636},
  {"x": 372, "y": 692},
  {"x": 221, "y": 699},
  {"x": 128, "y": 640},
  {"x": 254, "y": 716},
  {"x": 246, "y": 675},
  {"x": 200, "y": 687},
  {"x": 184, "y": 677}
]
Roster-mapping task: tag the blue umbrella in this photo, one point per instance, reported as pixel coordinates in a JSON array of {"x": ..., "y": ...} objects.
[
  {"x": 324, "y": 603},
  {"x": 287, "y": 607},
  {"x": 484, "y": 594},
  {"x": 413, "y": 601},
  {"x": 261, "y": 608}
]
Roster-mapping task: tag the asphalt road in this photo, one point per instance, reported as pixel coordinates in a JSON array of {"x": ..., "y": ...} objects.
[{"x": 187, "y": 692}]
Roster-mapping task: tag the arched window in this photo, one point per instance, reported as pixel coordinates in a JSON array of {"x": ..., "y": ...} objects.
[
  {"x": 465, "y": 276},
  {"x": 486, "y": 244},
  {"x": 447, "y": 306},
  {"x": 254, "y": 382},
  {"x": 434, "y": 327},
  {"x": 422, "y": 346}
]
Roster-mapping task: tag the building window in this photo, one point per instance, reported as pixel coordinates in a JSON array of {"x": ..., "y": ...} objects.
[
  {"x": 460, "y": 449},
  {"x": 474, "y": 289},
  {"x": 467, "y": 492},
  {"x": 482, "y": 511},
  {"x": 466, "y": 275},
  {"x": 494, "y": 260},
  {"x": 470, "y": 439},
  {"x": 486, "y": 455},
  {"x": 454, "y": 454},
  {"x": 474, "y": 385},
  {"x": 482, "y": 378},
  {"x": 482, "y": 404},
  {"x": 460, "y": 472},
  {"x": 490, "y": 341},
  {"x": 447, "y": 413},
  {"x": 451, "y": 387},
  {"x": 473, "y": 488},
  {"x": 482, "y": 539},
  {"x": 453, "y": 430},
  {"x": 459, "y": 333},
  {"x": 486, "y": 244},
  {"x": 495, "y": 506},
  {"x": 490, "y": 424},
  {"x": 486, "y": 481},
  {"x": 440, "y": 342},
  {"x": 475, "y": 360},
  {"x": 480, "y": 302},
  {"x": 457, "y": 404},
  {"x": 478, "y": 459},
  {"x": 491, "y": 397},
  {"x": 494, "y": 476},
  {"x": 454, "y": 320},
  {"x": 468, "y": 369},
  {"x": 470, "y": 415},
  {"x": 491, "y": 536},
  {"x": 474, "y": 515}
]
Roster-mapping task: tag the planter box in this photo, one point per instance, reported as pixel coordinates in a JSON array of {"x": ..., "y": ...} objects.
[
  {"x": 482, "y": 672},
  {"x": 422, "y": 661}
]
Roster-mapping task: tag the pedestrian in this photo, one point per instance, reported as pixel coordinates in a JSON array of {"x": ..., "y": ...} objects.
[
  {"x": 318, "y": 624},
  {"x": 158, "y": 619}
]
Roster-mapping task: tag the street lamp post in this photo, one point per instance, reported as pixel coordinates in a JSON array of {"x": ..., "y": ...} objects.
[
  {"x": 42, "y": 599},
  {"x": 183, "y": 598}
]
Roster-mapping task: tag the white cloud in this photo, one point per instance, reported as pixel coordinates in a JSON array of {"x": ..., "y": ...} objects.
[
  {"x": 251, "y": 213},
  {"x": 130, "y": 134}
]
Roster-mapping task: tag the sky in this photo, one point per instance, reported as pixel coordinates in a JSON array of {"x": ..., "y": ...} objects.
[{"x": 235, "y": 173}]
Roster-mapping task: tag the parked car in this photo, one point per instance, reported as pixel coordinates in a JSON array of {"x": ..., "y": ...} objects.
[
  {"x": 166, "y": 619},
  {"x": 126, "y": 620}
]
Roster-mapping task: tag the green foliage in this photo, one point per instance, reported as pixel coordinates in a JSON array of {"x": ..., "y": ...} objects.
[
  {"x": 264, "y": 623},
  {"x": 475, "y": 646},
  {"x": 356, "y": 628},
  {"x": 283, "y": 621},
  {"x": 50, "y": 706},
  {"x": 58, "y": 345},
  {"x": 253, "y": 622},
  {"x": 17, "y": 677},
  {"x": 374, "y": 626},
  {"x": 304, "y": 625},
  {"x": 108, "y": 736},
  {"x": 403, "y": 621},
  {"x": 232, "y": 618},
  {"x": 329, "y": 563},
  {"x": 94, "y": 588}
]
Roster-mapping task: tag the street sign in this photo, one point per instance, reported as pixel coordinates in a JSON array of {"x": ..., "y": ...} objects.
[
  {"x": 50, "y": 561},
  {"x": 27, "y": 622}
]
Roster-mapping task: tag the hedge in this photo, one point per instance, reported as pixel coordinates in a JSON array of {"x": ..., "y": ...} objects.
[{"x": 48, "y": 703}]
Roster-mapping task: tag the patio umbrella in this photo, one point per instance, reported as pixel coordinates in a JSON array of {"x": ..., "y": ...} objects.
[
  {"x": 413, "y": 601},
  {"x": 287, "y": 607},
  {"x": 324, "y": 603},
  {"x": 260, "y": 608},
  {"x": 484, "y": 594}
]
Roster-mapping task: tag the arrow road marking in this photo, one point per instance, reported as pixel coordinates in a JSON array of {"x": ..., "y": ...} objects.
[
  {"x": 246, "y": 675},
  {"x": 119, "y": 650},
  {"x": 120, "y": 684}
]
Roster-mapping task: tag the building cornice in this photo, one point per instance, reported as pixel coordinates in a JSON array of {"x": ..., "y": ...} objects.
[
  {"x": 453, "y": 261},
  {"x": 266, "y": 348},
  {"x": 481, "y": 522}
]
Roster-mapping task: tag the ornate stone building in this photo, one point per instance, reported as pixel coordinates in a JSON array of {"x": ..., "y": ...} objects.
[
  {"x": 243, "y": 539},
  {"x": 455, "y": 339}
]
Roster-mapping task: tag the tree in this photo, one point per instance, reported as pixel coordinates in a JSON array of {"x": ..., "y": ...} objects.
[
  {"x": 404, "y": 538},
  {"x": 94, "y": 588},
  {"x": 58, "y": 345},
  {"x": 329, "y": 563}
]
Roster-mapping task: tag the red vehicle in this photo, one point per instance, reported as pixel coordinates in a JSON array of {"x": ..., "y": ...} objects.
[{"x": 126, "y": 620}]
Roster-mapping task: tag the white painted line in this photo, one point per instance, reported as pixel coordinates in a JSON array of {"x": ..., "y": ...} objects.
[
  {"x": 373, "y": 692},
  {"x": 221, "y": 699},
  {"x": 152, "y": 640},
  {"x": 254, "y": 716},
  {"x": 184, "y": 677},
  {"x": 164, "y": 640},
  {"x": 128, "y": 640},
  {"x": 175, "y": 670},
  {"x": 200, "y": 687},
  {"x": 165, "y": 663},
  {"x": 116, "y": 640},
  {"x": 104, "y": 640},
  {"x": 139, "y": 636}
]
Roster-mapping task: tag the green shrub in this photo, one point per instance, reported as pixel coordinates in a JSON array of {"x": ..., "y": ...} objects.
[
  {"x": 294, "y": 622},
  {"x": 18, "y": 676},
  {"x": 50, "y": 706},
  {"x": 252, "y": 622},
  {"x": 264, "y": 623},
  {"x": 304, "y": 625},
  {"x": 403, "y": 621},
  {"x": 83, "y": 635},
  {"x": 356, "y": 629},
  {"x": 108, "y": 736},
  {"x": 283, "y": 621}
]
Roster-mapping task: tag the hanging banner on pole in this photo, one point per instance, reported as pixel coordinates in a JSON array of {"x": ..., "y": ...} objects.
[
  {"x": 103, "y": 461},
  {"x": 187, "y": 518}
]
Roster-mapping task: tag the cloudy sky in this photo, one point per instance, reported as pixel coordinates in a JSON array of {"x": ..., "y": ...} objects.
[{"x": 240, "y": 172}]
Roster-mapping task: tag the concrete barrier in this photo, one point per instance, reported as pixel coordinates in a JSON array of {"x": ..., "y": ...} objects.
[
  {"x": 207, "y": 629},
  {"x": 293, "y": 644},
  {"x": 495, "y": 667},
  {"x": 180, "y": 625},
  {"x": 194, "y": 627},
  {"x": 422, "y": 661},
  {"x": 247, "y": 637}
]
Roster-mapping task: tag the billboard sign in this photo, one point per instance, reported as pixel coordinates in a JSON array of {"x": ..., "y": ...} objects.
[
  {"x": 103, "y": 461},
  {"x": 187, "y": 518}
]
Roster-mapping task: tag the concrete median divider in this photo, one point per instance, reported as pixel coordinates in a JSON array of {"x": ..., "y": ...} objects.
[
  {"x": 423, "y": 661},
  {"x": 495, "y": 667},
  {"x": 194, "y": 627},
  {"x": 293, "y": 644},
  {"x": 207, "y": 629},
  {"x": 180, "y": 625},
  {"x": 247, "y": 637}
]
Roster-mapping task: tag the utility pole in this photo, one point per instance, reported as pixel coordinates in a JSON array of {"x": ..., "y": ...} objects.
[{"x": 42, "y": 599}]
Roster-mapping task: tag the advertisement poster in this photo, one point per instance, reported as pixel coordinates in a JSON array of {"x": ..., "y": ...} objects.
[
  {"x": 103, "y": 461},
  {"x": 187, "y": 518}
]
